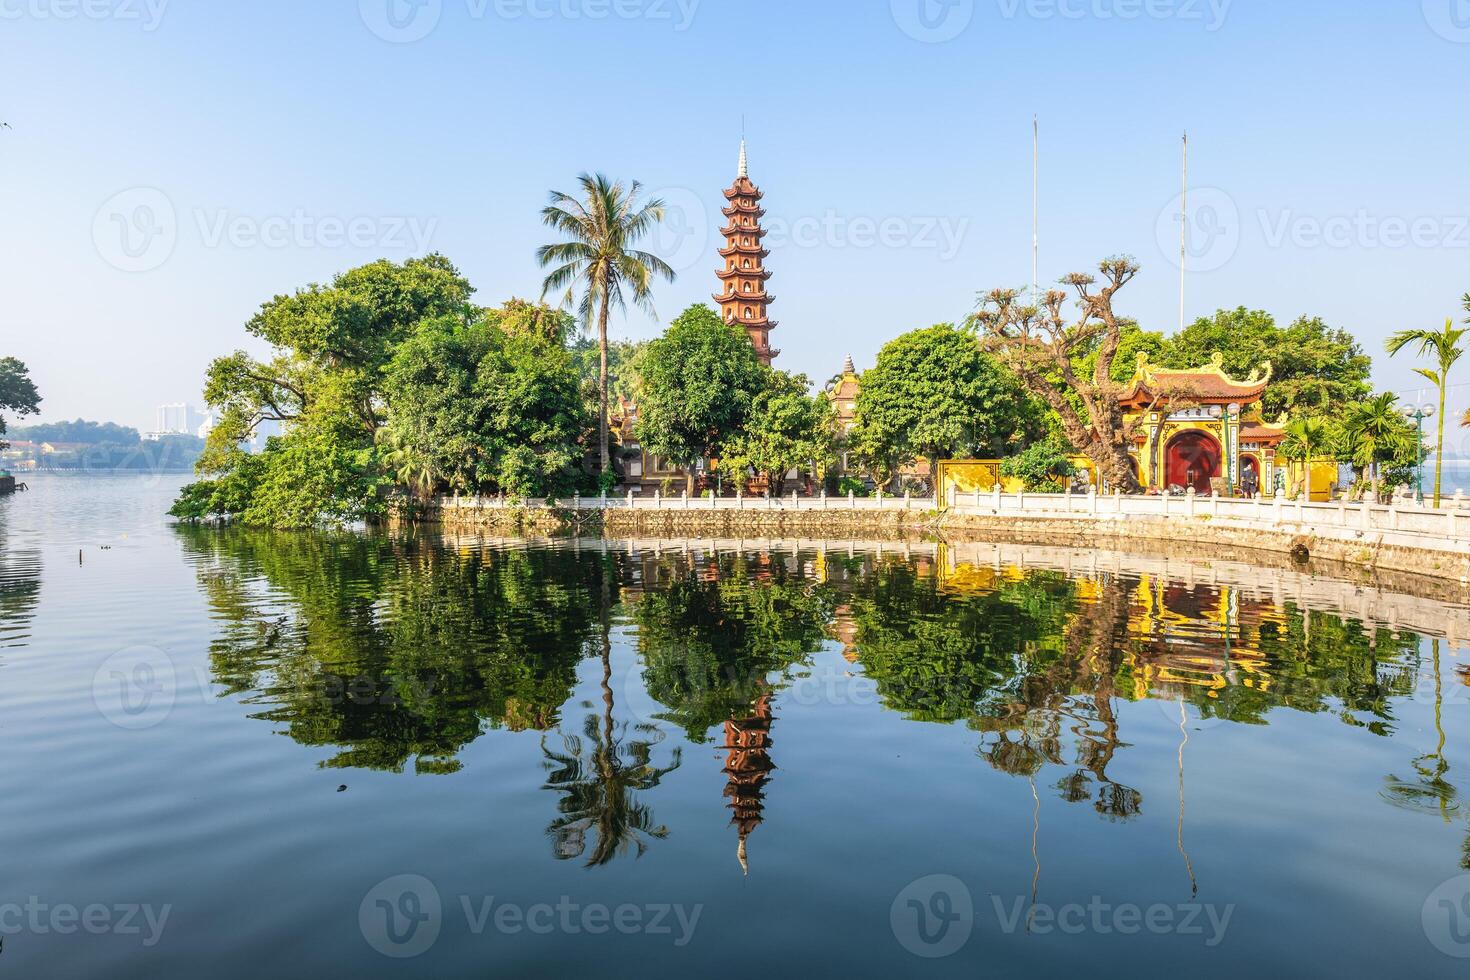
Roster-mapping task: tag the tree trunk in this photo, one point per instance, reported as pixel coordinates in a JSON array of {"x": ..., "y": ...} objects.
[
  {"x": 1439, "y": 446},
  {"x": 602, "y": 405}
]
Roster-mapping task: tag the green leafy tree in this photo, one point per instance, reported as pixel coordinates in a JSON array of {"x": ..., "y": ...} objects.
[
  {"x": 600, "y": 257},
  {"x": 18, "y": 392},
  {"x": 1443, "y": 346},
  {"x": 1305, "y": 439},
  {"x": 788, "y": 429},
  {"x": 1043, "y": 466},
  {"x": 934, "y": 393},
  {"x": 700, "y": 383},
  {"x": 323, "y": 383},
  {"x": 1316, "y": 369}
]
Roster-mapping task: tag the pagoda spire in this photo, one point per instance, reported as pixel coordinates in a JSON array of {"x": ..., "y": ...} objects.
[{"x": 743, "y": 298}]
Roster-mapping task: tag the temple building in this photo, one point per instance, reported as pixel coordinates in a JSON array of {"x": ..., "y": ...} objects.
[
  {"x": 742, "y": 297},
  {"x": 1203, "y": 429}
]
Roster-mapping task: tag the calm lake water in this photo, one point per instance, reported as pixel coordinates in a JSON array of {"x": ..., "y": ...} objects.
[{"x": 237, "y": 754}]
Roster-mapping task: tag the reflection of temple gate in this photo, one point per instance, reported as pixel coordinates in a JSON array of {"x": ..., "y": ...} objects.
[{"x": 1191, "y": 459}]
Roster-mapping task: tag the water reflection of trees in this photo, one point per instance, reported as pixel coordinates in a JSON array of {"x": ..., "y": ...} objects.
[
  {"x": 393, "y": 649},
  {"x": 20, "y": 587}
]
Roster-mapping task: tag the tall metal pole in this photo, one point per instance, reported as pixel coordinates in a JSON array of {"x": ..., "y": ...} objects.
[
  {"x": 1035, "y": 210},
  {"x": 1184, "y": 232}
]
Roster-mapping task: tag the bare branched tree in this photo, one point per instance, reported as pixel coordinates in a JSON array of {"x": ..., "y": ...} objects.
[{"x": 1041, "y": 346}]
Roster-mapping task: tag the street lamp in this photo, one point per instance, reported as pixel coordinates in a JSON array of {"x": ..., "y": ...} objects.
[
  {"x": 1231, "y": 451},
  {"x": 1417, "y": 416}
]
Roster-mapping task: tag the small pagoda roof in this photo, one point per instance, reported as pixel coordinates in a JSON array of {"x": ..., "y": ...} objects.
[
  {"x": 1267, "y": 432},
  {"x": 1208, "y": 385},
  {"x": 743, "y": 188}
]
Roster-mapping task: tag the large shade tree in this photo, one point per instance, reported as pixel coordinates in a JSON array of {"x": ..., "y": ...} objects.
[
  {"x": 700, "y": 381},
  {"x": 1041, "y": 345},
  {"x": 599, "y": 257},
  {"x": 1315, "y": 369},
  {"x": 18, "y": 392},
  {"x": 934, "y": 393}
]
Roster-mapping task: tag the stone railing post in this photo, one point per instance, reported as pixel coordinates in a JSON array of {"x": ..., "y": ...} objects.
[
  {"x": 685, "y": 496},
  {"x": 1280, "y": 506},
  {"x": 996, "y": 491},
  {"x": 1393, "y": 514},
  {"x": 630, "y": 499},
  {"x": 1214, "y": 505},
  {"x": 1117, "y": 501},
  {"x": 739, "y": 499},
  {"x": 658, "y": 500},
  {"x": 908, "y": 499},
  {"x": 880, "y": 498},
  {"x": 1189, "y": 496},
  {"x": 1021, "y": 501},
  {"x": 577, "y": 500},
  {"x": 1367, "y": 513},
  {"x": 603, "y": 499},
  {"x": 1092, "y": 500},
  {"x": 1454, "y": 513},
  {"x": 851, "y": 500},
  {"x": 824, "y": 498}
]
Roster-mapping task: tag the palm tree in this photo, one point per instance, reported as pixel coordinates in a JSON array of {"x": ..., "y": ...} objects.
[
  {"x": 1379, "y": 428},
  {"x": 1445, "y": 347},
  {"x": 1303, "y": 436},
  {"x": 408, "y": 466},
  {"x": 599, "y": 258}
]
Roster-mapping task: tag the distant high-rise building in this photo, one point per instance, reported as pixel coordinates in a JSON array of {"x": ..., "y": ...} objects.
[{"x": 178, "y": 419}]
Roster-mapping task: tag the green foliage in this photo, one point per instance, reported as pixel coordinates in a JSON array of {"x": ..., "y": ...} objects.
[
  {"x": 933, "y": 393},
  {"x": 788, "y": 428},
  {"x": 387, "y": 376},
  {"x": 1132, "y": 341},
  {"x": 1317, "y": 369},
  {"x": 484, "y": 410},
  {"x": 1043, "y": 467},
  {"x": 700, "y": 382},
  {"x": 18, "y": 392}
]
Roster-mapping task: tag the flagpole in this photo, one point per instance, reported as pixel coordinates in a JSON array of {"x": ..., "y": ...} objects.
[
  {"x": 1184, "y": 232},
  {"x": 1035, "y": 212}
]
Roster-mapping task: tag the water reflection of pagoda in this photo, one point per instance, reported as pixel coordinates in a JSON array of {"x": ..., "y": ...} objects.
[{"x": 748, "y": 767}]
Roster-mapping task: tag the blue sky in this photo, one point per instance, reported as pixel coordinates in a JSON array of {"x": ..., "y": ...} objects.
[{"x": 174, "y": 163}]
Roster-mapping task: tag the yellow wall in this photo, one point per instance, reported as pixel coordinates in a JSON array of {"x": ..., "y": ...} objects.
[{"x": 968, "y": 475}]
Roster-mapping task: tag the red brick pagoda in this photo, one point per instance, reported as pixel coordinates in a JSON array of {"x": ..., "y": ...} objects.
[{"x": 744, "y": 299}]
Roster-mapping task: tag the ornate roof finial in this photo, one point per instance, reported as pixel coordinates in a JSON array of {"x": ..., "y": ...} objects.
[
  {"x": 848, "y": 367},
  {"x": 744, "y": 161}
]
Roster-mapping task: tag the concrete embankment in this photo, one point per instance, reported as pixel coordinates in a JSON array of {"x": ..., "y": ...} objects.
[{"x": 1350, "y": 550}]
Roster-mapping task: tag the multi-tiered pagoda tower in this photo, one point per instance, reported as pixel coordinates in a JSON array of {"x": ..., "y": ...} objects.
[{"x": 744, "y": 300}]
